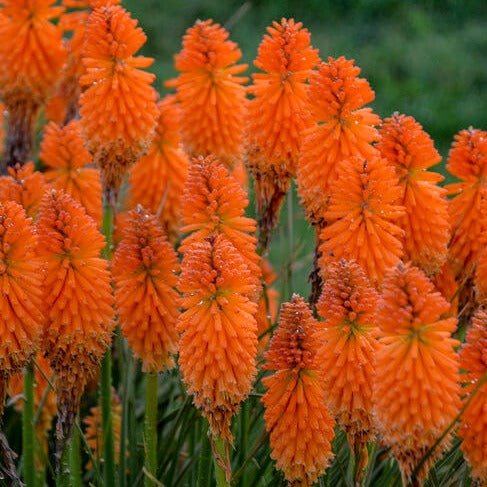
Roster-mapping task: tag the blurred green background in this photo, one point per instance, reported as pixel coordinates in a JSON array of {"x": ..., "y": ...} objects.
[{"x": 427, "y": 59}]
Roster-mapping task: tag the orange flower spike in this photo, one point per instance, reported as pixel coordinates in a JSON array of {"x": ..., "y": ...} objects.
[
  {"x": 218, "y": 344},
  {"x": 278, "y": 114},
  {"x": 63, "y": 105},
  {"x": 468, "y": 161},
  {"x": 25, "y": 186},
  {"x": 66, "y": 158},
  {"x": 210, "y": 93},
  {"x": 298, "y": 422},
  {"x": 31, "y": 56},
  {"x": 21, "y": 306},
  {"x": 342, "y": 128},
  {"x": 214, "y": 202},
  {"x": 78, "y": 295},
  {"x": 363, "y": 217},
  {"x": 279, "y": 110},
  {"x": 473, "y": 424},
  {"x": 144, "y": 270},
  {"x": 157, "y": 179},
  {"x": 416, "y": 390},
  {"x": 350, "y": 344},
  {"x": 94, "y": 431},
  {"x": 118, "y": 107},
  {"x": 410, "y": 150}
]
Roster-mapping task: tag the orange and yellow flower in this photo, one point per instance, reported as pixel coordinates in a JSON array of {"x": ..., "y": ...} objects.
[
  {"x": 218, "y": 345},
  {"x": 214, "y": 203},
  {"x": 410, "y": 150},
  {"x": 278, "y": 114},
  {"x": 144, "y": 270},
  {"x": 31, "y": 57},
  {"x": 210, "y": 93},
  {"x": 118, "y": 107},
  {"x": 473, "y": 424},
  {"x": 299, "y": 424},
  {"x": 157, "y": 179},
  {"x": 63, "y": 106},
  {"x": 31, "y": 49},
  {"x": 66, "y": 158},
  {"x": 363, "y": 217},
  {"x": 78, "y": 297},
  {"x": 468, "y": 162},
  {"x": 25, "y": 186},
  {"x": 341, "y": 129},
  {"x": 416, "y": 391},
  {"x": 21, "y": 306},
  {"x": 350, "y": 346}
]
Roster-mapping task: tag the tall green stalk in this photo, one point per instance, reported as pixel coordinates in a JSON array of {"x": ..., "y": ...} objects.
[
  {"x": 150, "y": 428},
  {"x": 222, "y": 475},
  {"x": 290, "y": 236},
  {"x": 75, "y": 459},
  {"x": 127, "y": 381},
  {"x": 28, "y": 429},
  {"x": 106, "y": 372},
  {"x": 204, "y": 465},
  {"x": 63, "y": 476},
  {"x": 244, "y": 434}
]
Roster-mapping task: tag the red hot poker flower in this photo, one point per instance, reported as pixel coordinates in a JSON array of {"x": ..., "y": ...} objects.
[
  {"x": 473, "y": 425},
  {"x": 144, "y": 270},
  {"x": 210, "y": 93},
  {"x": 417, "y": 391},
  {"x": 78, "y": 296},
  {"x": 118, "y": 108},
  {"x": 278, "y": 114},
  {"x": 31, "y": 57},
  {"x": 363, "y": 216},
  {"x": 468, "y": 161},
  {"x": 410, "y": 150},
  {"x": 296, "y": 417},
  {"x": 157, "y": 179},
  {"x": 342, "y": 128},
  {"x": 21, "y": 306},
  {"x": 25, "y": 186},
  {"x": 350, "y": 344},
  {"x": 218, "y": 345},
  {"x": 63, "y": 152},
  {"x": 214, "y": 203}
]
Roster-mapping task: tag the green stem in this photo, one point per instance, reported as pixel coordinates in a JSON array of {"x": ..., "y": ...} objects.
[
  {"x": 106, "y": 371},
  {"x": 64, "y": 476},
  {"x": 290, "y": 230},
  {"x": 220, "y": 458},
  {"x": 204, "y": 465},
  {"x": 150, "y": 427},
  {"x": 75, "y": 459},
  {"x": 28, "y": 429},
  {"x": 244, "y": 434},
  {"x": 122, "y": 463},
  {"x": 107, "y": 421}
]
